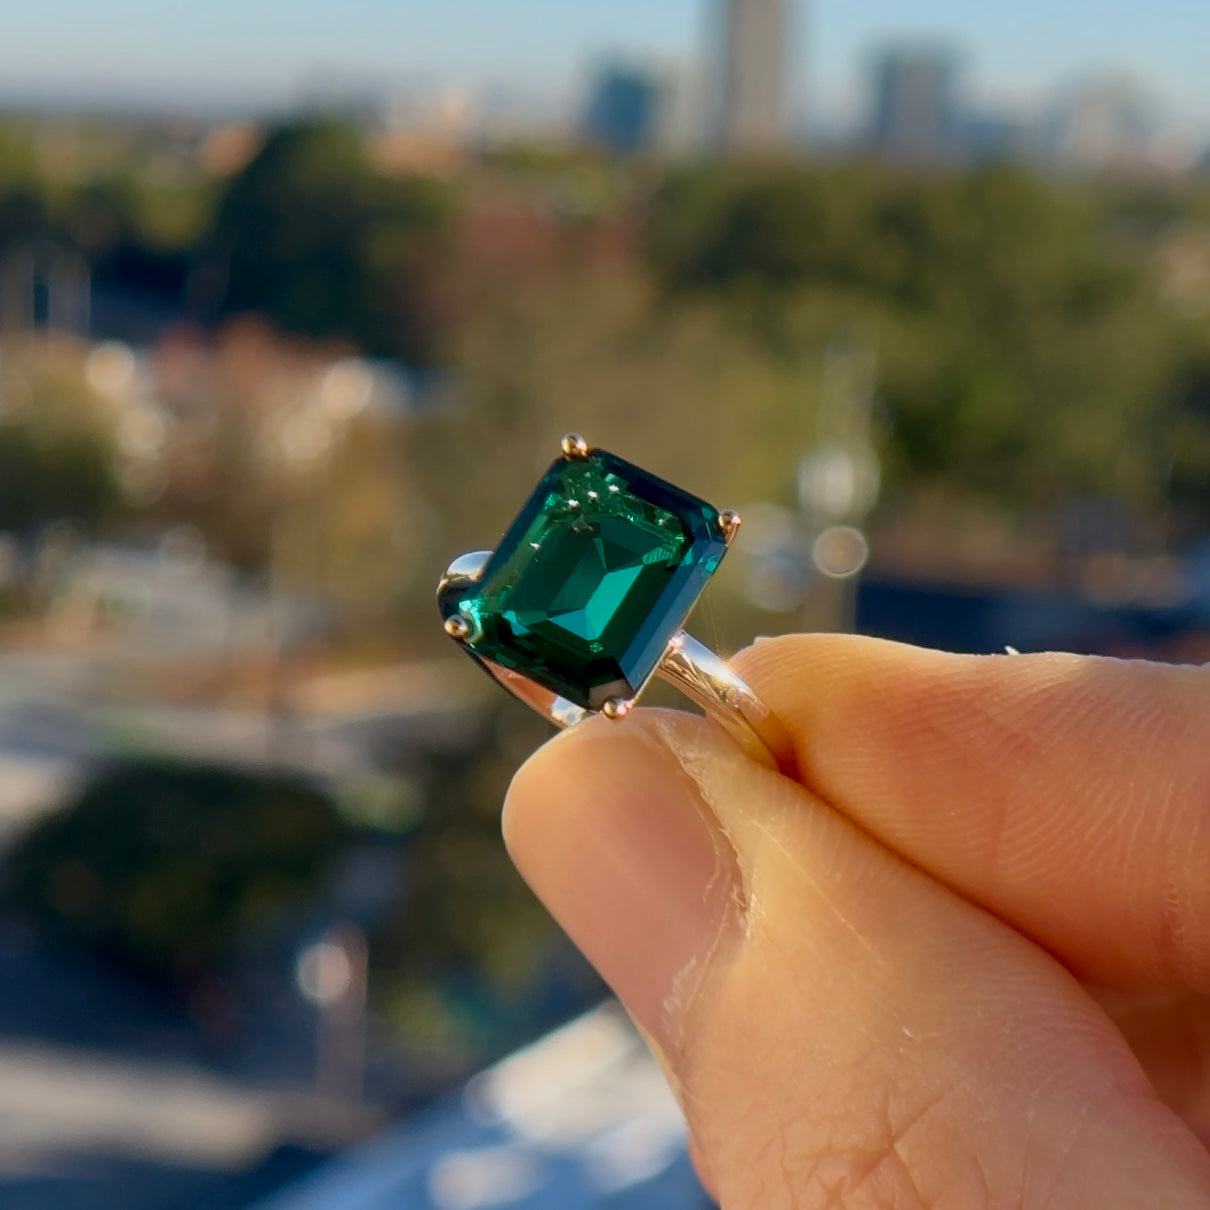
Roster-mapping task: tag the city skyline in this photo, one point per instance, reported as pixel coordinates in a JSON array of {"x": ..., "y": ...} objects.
[{"x": 241, "y": 54}]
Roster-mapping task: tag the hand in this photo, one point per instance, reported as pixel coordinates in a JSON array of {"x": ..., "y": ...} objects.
[{"x": 963, "y": 964}]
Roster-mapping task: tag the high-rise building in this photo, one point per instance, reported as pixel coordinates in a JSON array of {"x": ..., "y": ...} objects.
[
  {"x": 1102, "y": 122},
  {"x": 754, "y": 106},
  {"x": 916, "y": 117},
  {"x": 624, "y": 109}
]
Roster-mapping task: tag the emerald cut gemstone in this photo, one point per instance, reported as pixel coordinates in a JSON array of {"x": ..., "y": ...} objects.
[{"x": 596, "y": 574}]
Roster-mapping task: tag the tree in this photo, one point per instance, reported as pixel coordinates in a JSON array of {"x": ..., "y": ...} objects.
[
  {"x": 56, "y": 448},
  {"x": 311, "y": 236},
  {"x": 165, "y": 866},
  {"x": 1023, "y": 349}
]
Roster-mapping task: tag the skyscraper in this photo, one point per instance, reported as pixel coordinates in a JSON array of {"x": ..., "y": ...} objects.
[
  {"x": 623, "y": 110},
  {"x": 754, "y": 111},
  {"x": 916, "y": 116}
]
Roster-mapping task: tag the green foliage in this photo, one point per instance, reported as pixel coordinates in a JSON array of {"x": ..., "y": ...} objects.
[
  {"x": 68, "y": 478},
  {"x": 1030, "y": 344},
  {"x": 1185, "y": 439},
  {"x": 311, "y": 236},
  {"x": 100, "y": 216},
  {"x": 166, "y": 866},
  {"x": 108, "y": 192},
  {"x": 774, "y": 227},
  {"x": 1024, "y": 353},
  {"x": 56, "y": 452},
  {"x": 18, "y": 161},
  {"x": 24, "y": 214}
]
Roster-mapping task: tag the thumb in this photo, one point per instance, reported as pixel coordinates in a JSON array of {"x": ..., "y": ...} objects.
[{"x": 841, "y": 1030}]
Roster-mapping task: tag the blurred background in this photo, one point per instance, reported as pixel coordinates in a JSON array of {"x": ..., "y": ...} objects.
[{"x": 295, "y": 304}]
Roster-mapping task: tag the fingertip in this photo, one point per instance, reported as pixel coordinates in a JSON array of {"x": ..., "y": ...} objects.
[
  {"x": 528, "y": 802},
  {"x": 612, "y": 836}
]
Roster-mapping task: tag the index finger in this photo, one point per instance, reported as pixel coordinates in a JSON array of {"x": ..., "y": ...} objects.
[{"x": 1069, "y": 795}]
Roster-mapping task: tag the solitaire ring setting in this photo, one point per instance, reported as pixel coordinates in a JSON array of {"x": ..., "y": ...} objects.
[{"x": 584, "y": 599}]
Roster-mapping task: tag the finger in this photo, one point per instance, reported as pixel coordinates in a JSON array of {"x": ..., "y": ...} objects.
[
  {"x": 842, "y": 1030},
  {"x": 1170, "y": 1035},
  {"x": 1068, "y": 794}
]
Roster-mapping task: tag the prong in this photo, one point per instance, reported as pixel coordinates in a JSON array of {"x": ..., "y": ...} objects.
[
  {"x": 574, "y": 446},
  {"x": 457, "y": 627},
  {"x": 466, "y": 569},
  {"x": 463, "y": 573},
  {"x": 730, "y": 521},
  {"x": 617, "y": 708}
]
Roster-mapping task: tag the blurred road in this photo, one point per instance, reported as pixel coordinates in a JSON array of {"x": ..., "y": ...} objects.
[{"x": 108, "y": 1100}]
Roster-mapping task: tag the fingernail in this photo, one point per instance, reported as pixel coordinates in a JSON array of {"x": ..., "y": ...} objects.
[{"x": 609, "y": 831}]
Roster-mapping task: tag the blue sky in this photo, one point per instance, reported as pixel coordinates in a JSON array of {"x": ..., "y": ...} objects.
[{"x": 263, "y": 50}]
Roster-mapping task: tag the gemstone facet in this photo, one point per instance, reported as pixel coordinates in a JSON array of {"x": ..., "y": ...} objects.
[{"x": 593, "y": 578}]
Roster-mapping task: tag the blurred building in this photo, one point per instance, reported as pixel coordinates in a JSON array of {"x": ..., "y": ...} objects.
[
  {"x": 44, "y": 286},
  {"x": 1103, "y": 123},
  {"x": 684, "y": 100},
  {"x": 624, "y": 107},
  {"x": 916, "y": 116},
  {"x": 993, "y": 137},
  {"x": 753, "y": 115}
]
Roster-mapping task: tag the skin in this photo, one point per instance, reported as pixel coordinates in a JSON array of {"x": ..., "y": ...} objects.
[{"x": 961, "y": 962}]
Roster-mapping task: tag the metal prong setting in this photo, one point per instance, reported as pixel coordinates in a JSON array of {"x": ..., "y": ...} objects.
[
  {"x": 574, "y": 446},
  {"x": 457, "y": 627},
  {"x": 466, "y": 569},
  {"x": 617, "y": 708},
  {"x": 730, "y": 521}
]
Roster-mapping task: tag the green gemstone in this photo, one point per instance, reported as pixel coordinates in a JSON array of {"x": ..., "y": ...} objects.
[{"x": 596, "y": 574}]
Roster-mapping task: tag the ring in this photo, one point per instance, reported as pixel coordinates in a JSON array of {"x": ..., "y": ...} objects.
[{"x": 584, "y": 599}]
